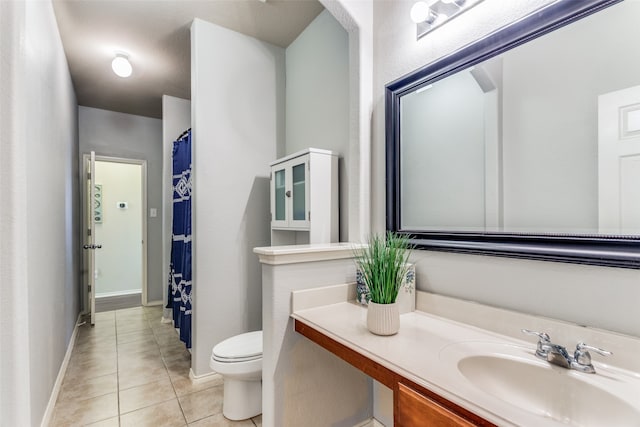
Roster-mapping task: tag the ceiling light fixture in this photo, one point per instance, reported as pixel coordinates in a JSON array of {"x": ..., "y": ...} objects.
[
  {"x": 121, "y": 65},
  {"x": 431, "y": 14}
]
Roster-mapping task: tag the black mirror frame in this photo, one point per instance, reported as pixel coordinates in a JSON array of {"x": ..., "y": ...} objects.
[{"x": 610, "y": 251}]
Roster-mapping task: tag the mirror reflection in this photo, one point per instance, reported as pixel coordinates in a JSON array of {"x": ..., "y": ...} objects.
[{"x": 544, "y": 138}]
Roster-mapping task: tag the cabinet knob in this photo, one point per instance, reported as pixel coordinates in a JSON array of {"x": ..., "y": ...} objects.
[{"x": 288, "y": 193}]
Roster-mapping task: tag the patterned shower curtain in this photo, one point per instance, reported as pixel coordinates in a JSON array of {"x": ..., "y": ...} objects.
[{"x": 179, "y": 295}]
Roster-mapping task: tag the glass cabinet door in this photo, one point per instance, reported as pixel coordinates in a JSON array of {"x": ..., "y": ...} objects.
[
  {"x": 298, "y": 186},
  {"x": 290, "y": 194},
  {"x": 299, "y": 193},
  {"x": 278, "y": 198}
]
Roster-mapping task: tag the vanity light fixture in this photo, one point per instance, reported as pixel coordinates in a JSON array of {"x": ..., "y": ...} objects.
[
  {"x": 121, "y": 65},
  {"x": 431, "y": 14}
]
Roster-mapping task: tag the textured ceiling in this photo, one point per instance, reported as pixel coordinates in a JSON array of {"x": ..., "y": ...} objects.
[{"x": 156, "y": 36}]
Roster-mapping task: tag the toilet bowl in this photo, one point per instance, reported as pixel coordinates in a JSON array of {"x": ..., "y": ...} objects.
[{"x": 239, "y": 360}]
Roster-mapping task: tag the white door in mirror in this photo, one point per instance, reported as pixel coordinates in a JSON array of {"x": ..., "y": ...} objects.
[{"x": 619, "y": 162}]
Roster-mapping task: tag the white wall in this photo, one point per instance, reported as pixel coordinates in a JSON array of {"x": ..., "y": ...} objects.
[
  {"x": 39, "y": 210},
  {"x": 317, "y": 97},
  {"x": 604, "y": 295},
  {"x": 357, "y": 18},
  {"x": 176, "y": 118},
  {"x": 129, "y": 136},
  {"x": 119, "y": 261},
  {"x": 237, "y": 86}
]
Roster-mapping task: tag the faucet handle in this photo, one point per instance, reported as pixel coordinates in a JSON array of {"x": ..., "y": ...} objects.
[
  {"x": 582, "y": 358},
  {"x": 544, "y": 341},
  {"x": 583, "y": 348},
  {"x": 543, "y": 336}
]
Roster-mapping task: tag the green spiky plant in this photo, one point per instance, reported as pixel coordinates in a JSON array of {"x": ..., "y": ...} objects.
[{"x": 383, "y": 264}]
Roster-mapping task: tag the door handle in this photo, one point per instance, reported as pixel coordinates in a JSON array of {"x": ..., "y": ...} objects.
[{"x": 288, "y": 193}]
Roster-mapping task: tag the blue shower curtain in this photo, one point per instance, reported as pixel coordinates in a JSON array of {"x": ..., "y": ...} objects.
[{"x": 179, "y": 295}]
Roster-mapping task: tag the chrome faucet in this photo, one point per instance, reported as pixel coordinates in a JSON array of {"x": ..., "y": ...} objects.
[{"x": 558, "y": 355}]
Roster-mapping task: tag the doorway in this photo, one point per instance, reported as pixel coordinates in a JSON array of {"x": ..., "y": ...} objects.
[{"x": 118, "y": 212}]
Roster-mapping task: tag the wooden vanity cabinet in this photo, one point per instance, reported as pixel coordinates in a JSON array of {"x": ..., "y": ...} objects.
[
  {"x": 413, "y": 409},
  {"x": 414, "y": 405}
]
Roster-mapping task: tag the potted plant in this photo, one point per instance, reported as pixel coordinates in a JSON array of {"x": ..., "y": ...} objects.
[{"x": 383, "y": 265}]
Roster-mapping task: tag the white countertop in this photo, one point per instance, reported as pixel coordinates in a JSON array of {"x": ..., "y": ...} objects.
[{"x": 422, "y": 352}]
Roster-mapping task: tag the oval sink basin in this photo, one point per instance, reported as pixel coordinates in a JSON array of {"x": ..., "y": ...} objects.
[{"x": 565, "y": 396}]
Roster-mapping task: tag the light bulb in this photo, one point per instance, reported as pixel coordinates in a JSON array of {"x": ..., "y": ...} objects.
[
  {"x": 420, "y": 12},
  {"x": 121, "y": 65}
]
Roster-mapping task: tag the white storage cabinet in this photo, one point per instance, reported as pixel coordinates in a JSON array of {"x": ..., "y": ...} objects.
[{"x": 304, "y": 198}]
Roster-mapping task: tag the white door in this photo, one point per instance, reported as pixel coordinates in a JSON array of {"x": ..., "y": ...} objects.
[
  {"x": 619, "y": 162},
  {"x": 90, "y": 245}
]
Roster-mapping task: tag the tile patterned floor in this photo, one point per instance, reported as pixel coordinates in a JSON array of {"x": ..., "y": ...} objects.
[{"x": 131, "y": 370}]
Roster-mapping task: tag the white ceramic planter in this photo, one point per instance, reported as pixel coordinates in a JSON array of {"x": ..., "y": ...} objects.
[{"x": 383, "y": 319}]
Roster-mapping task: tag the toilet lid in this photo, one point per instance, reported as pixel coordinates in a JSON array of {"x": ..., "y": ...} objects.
[{"x": 241, "y": 347}]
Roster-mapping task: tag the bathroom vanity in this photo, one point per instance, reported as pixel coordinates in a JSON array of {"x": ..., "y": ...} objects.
[
  {"x": 447, "y": 373},
  {"x": 458, "y": 361}
]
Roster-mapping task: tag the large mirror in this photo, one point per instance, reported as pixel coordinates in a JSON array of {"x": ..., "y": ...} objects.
[{"x": 526, "y": 143}]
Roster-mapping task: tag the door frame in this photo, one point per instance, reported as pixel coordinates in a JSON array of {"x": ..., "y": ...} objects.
[{"x": 84, "y": 272}]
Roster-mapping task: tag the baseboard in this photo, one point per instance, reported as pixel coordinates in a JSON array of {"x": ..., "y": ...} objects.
[
  {"x": 118, "y": 302},
  {"x": 119, "y": 293},
  {"x": 196, "y": 378},
  {"x": 153, "y": 303},
  {"x": 372, "y": 422},
  {"x": 48, "y": 413}
]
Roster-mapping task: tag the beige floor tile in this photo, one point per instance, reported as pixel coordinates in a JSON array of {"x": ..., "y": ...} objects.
[
  {"x": 81, "y": 412},
  {"x": 145, "y": 395},
  {"x": 132, "y": 363},
  {"x": 91, "y": 387},
  {"x": 94, "y": 355},
  {"x": 166, "y": 332},
  {"x": 133, "y": 317},
  {"x": 151, "y": 354},
  {"x": 106, "y": 315},
  {"x": 178, "y": 367},
  {"x": 172, "y": 351},
  {"x": 111, "y": 422},
  {"x": 94, "y": 338},
  {"x": 84, "y": 370},
  {"x": 166, "y": 414},
  {"x": 219, "y": 420},
  {"x": 153, "y": 310},
  {"x": 135, "y": 336},
  {"x": 201, "y": 404},
  {"x": 176, "y": 355},
  {"x": 184, "y": 385},
  {"x": 99, "y": 329},
  {"x": 138, "y": 347},
  {"x": 128, "y": 379},
  {"x": 257, "y": 420},
  {"x": 129, "y": 311},
  {"x": 131, "y": 328},
  {"x": 159, "y": 328}
]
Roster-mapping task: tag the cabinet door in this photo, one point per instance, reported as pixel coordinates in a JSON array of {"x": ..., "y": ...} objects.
[
  {"x": 417, "y": 410},
  {"x": 299, "y": 196},
  {"x": 279, "y": 214}
]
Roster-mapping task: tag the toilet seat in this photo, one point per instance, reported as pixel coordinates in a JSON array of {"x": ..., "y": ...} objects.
[{"x": 240, "y": 348}]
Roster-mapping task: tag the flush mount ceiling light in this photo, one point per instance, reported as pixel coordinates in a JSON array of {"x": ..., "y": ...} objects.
[
  {"x": 121, "y": 65},
  {"x": 431, "y": 14}
]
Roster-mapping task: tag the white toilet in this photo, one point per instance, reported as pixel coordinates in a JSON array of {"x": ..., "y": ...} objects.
[{"x": 239, "y": 360}]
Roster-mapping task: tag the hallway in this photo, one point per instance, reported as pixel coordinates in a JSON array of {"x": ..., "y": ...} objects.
[{"x": 131, "y": 370}]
